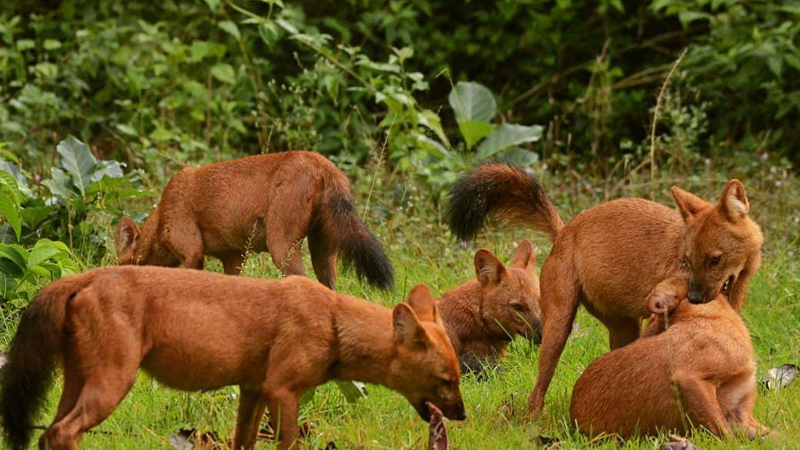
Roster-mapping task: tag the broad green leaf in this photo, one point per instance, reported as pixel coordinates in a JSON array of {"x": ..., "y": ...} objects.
[
  {"x": 8, "y": 284},
  {"x": 473, "y": 131},
  {"x": 33, "y": 216},
  {"x": 687, "y": 17},
  {"x": 78, "y": 161},
  {"x": 13, "y": 259},
  {"x": 9, "y": 208},
  {"x": 431, "y": 120},
  {"x": 516, "y": 156},
  {"x": 224, "y": 72},
  {"x": 8, "y": 182},
  {"x": 161, "y": 134},
  {"x": 472, "y": 101},
  {"x": 58, "y": 183},
  {"x": 434, "y": 148},
  {"x": 231, "y": 28},
  {"x": 39, "y": 271},
  {"x": 111, "y": 169},
  {"x": 41, "y": 253},
  {"x": 127, "y": 129},
  {"x": 51, "y": 44},
  {"x": 14, "y": 170},
  {"x": 212, "y": 4},
  {"x": 352, "y": 390},
  {"x": 505, "y": 136}
]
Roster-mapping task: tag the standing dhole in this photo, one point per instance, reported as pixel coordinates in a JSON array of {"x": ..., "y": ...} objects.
[
  {"x": 274, "y": 339},
  {"x": 482, "y": 316},
  {"x": 611, "y": 256},
  {"x": 259, "y": 203},
  {"x": 700, "y": 372}
]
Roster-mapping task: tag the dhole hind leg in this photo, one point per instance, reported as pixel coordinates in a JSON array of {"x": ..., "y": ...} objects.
[
  {"x": 559, "y": 303},
  {"x": 698, "y": 398},
  {"x": 284, "y": 241},
  {"x": 232, "y": 263},
  {"x": 622, "y": 330},
  {"x": 323, "y": 258}
]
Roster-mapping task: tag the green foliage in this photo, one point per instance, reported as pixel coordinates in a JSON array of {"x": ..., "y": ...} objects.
[{"x": 45, "y": 261}]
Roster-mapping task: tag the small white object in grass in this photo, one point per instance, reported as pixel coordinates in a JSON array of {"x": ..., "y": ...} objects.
[
  {"x": 779, "y": 377},
  {"x": 437, "y": 437}
]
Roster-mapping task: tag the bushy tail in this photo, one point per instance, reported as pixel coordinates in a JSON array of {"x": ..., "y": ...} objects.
[
  {"x": 503, "y": 192},
  {"x": 357, "y": 246},
  {"x": 35, "y": 349}
]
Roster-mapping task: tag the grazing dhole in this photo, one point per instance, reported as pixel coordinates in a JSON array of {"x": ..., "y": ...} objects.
[
  {"x": 694, "y": 369},
  {"x": 259, "y": 203},
  {"x": 611, "y": 256},
  {"x": 195, "y": 330},
  {"x": 482, "y": 316}
]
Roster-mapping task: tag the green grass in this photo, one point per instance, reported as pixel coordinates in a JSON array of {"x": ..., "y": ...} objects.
[{"x": 423, "y": 252}]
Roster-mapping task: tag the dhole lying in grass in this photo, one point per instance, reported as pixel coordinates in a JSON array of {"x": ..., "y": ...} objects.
[
  {"x": 259, "y": 203},
  {"x": 483, "y": 315},
  {"x": 699, "y": 372},
  {"x": 274, "y": 339},
  {"x": 611, "y": 256}
]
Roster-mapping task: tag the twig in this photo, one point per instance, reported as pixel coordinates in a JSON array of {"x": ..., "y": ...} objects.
[{"x": 659, "y": 101}]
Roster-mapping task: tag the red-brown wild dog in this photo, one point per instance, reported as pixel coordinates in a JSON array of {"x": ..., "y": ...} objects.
[
  {"x": 611, "y": 256},
  {"x": 483, "y": 315},
  {"x": 259, "y": 203},
  {"x": 700, "y": 372},
  {"x": 274, "y": 339}
]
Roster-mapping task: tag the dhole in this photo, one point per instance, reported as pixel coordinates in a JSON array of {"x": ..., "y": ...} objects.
[
  {"x": 259, "y": 203},
  {"x": 483, "y": 315},
  {"x": 699, "y": 372},
  {"x": 611, "y": 256},
  {"x": 274, "y": 339}
]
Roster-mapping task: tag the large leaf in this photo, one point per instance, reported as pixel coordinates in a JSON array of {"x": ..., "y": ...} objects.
[
  {"x": 43, "y": 251},
  {"x": 518, "y": 157},
  {"x": 59, "y": 183},
  {"x": 352, "y": 390},
  {"x": 78, "y": 161},
  {"x": 431, "y": 120},
  {"x": 473, "y": 131},
  {"x": 505, "y": 136},
  {"x": 472, "y": 101},
  {"x": 9, "y": 208},
  {"x": 110, "y": 168},
  {"x": 14, "y": 170},
  {"x": 13, "y": 259}
]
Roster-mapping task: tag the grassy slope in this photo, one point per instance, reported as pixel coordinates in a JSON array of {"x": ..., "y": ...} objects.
[{"x": 496, "y": 407}]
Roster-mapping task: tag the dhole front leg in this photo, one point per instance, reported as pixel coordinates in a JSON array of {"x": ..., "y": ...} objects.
[
  {"x": 699, "y": 401},
  {"x": 622, "y": 330},
  {"x": 282, "y": 405},
  {"x": 251, "y": 408}
]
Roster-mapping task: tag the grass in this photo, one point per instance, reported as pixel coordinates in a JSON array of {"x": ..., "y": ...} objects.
[{"x": 423, "y": 252}]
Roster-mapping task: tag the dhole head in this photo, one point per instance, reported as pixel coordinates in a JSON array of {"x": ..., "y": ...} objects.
[
  {"x": 126, "y": 238},
  {"x": 426, "y": 367},
  {"x": 509, "y": 303},
  {"x": 721, "y": 241}
]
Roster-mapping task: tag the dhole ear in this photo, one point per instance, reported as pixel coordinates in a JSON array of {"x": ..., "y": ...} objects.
[
  {"x": 421, "y": 301},
  {"x": 488, "y": 269},
  {"x": 734, "y": 203},
  {"x": 524, "y": 257},
  {"x": 688, "y": 204},
  {"x": 126, "y": 234},
  {"x": 407, "y": 329}
]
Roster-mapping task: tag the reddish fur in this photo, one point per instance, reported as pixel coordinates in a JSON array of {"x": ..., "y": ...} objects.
[
  {"x": 480, "y": 316},
  {"x": 612, "y": 255},
  {"x": 701, "y": 369},
  {"x": 274, "y": 339},
  {"x": 260, "y": 203}
]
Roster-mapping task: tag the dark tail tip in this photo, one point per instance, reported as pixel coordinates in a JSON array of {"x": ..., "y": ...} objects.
[
  {"x": 469, "y": 204},
  {"x": 360, "y": 249}
]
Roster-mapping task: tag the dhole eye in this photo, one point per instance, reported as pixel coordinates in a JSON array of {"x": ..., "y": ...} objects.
[
  {"x": 517, "y": 306},
  {"x": 714, "y": 260}
]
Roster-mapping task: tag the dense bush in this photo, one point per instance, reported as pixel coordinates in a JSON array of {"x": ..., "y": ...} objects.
[{"x": 175, "y": 81}]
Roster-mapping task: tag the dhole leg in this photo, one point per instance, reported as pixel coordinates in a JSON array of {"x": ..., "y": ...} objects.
[
  {"x": 323, "y": 259},
  {"x": 286, "y": 253},
  {"x": 622, "y": 330},
  {"x": 185, "y": 241},
  {"x": 97, "y": 400},
  {"x": 251, "y": 408},
  {"x": 559, "y": 304},
  {"x": 699, "y": 401},
  {"x": 232, "y": 263},
  {"x": 283, "y": 412}
]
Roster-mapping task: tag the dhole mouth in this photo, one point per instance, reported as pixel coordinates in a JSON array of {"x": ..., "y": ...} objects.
[{"x": 727, "y": 286}]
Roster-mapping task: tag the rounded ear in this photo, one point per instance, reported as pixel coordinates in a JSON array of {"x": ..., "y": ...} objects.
[
  {"x": 733, "y": 203},
  {"x": 488, "y": 269},
  {"x": 126, "y": 235},
  {"x": 421, "y": 301},
  {"x": 407, "y": 329},
  {"x": 524, "y": 256},
  {"x": 688, "y": 204}
]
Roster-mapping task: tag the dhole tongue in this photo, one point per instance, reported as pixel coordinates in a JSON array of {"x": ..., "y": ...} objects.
[{"x": 437, "y": 437}]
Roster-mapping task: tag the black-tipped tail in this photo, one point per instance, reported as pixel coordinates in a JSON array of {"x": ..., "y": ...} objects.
[
  {"x": 24, "y": 379},
  {"x": 357, "y": 245},
  {"x": 504, "y": 192}
]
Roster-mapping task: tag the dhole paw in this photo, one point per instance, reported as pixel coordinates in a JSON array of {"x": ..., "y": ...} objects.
[
  {"x": 678, "y": 443},
  {"x": 667, "y": 295}
]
